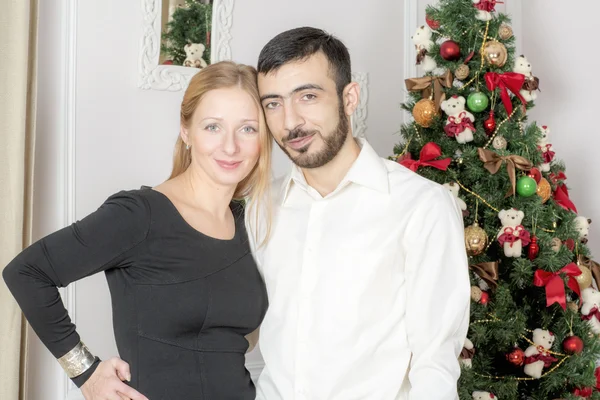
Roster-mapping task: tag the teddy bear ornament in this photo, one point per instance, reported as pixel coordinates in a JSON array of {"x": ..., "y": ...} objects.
[{"x": 194, "y": 53}]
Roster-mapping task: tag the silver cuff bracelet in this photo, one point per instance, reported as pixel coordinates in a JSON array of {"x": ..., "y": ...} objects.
[{"x": 77, "y": 361}]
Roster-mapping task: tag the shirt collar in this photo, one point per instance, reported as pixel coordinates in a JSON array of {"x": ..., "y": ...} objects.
[{"x": 368, "y": 170}]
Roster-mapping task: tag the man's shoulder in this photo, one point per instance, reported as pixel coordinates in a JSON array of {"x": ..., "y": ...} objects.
[{"x": 403, "y": 181}]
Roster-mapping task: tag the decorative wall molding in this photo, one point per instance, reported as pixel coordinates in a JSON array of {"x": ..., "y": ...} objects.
[
  {"x": 359, "y": 118},
  {"x": 69, "y": 121},
  {"x": 174, "y": 77}
]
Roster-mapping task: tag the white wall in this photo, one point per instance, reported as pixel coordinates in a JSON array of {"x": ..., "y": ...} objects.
[
  {"x": 560, "y": 43},
  {"x": 123, "y": 136}
]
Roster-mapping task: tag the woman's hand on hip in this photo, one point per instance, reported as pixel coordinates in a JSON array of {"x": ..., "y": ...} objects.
[{"x": 106, "y": 383}]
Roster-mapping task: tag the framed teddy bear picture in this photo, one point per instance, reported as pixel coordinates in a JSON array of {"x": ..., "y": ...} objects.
[{"x": 179, "y": 37}]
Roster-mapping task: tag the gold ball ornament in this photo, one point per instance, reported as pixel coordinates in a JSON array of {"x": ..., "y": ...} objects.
[
  {"x": 544, "y": 190},
  {"x": 475, "y": 240},
  {"x": 424, "y": 112},
  {"x": 505, "y": 32},
  {"x": 476, "y": 293},
  {"x": 495, "y": 53},
  {"x": 585, "y": 278},
  {"x": 572, "y": 306},
  {"x": 499, "y": 143},
  {"x": 462, "y": 72},
  {"x": 556, "y": 244}
]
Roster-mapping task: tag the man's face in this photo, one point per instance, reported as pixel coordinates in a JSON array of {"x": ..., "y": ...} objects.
[{"x": 303, "y": 111}]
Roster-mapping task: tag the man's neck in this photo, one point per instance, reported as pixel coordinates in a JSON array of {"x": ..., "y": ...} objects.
[{"x": 326, "y": 179}]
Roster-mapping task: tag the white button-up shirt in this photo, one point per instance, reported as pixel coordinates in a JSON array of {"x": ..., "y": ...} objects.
[{"x": 368, "y": 287}]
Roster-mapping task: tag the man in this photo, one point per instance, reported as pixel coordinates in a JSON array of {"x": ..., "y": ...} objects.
[{"x": 365, "y": 267}]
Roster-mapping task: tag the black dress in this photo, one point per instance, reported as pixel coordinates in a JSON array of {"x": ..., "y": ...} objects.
[{"x": 182, "y": 301}]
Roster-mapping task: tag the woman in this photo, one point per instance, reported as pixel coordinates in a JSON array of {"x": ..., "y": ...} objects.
[{"x": 185, "y": 289}]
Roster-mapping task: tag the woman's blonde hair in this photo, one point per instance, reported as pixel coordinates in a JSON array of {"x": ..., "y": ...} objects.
[{"x": 222, "y": 75}]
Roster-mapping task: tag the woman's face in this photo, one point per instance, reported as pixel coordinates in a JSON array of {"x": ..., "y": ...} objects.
[{"x": 224, "y": 136}]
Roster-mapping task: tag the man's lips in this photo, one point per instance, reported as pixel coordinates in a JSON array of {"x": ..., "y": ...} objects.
[{"x": 299, "y": 143}]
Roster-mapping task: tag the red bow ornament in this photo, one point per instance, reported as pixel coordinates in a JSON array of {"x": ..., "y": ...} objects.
[
  {"x": 555, "y": 288},
  {"x": 511, "y": 235},
  {"x": 547, "y": 153},
  {"x": 458, "y": 125},
  {"x": 512, "y": 81},
  {"x": 594, "y": 312},
  {"x": 556, "y": 178},
  {"x": 487, "y": 5},
  {"x": 427, "y": 158},
  {"x": 561, "y": 197}
]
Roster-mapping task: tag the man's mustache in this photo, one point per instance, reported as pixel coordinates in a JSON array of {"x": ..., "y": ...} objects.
[{"x": 298, "y": 133}]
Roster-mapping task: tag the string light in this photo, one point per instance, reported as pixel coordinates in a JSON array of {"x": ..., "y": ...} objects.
[
  {"x": 518, "y": 378},
  {"x": 487, "y": 28},
  {"x": 498, "y": 128}
]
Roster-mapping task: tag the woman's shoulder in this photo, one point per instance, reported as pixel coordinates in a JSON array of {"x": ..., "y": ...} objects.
[{"x": 134, "y": 201}]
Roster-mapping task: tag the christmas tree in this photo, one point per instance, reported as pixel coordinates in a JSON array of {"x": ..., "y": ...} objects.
[
  {"x": 189, "y": 24},
  {"x": 534, "y": 312}
]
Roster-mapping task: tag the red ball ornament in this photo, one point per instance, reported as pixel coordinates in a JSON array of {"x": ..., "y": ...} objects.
[
  {"x": 168, "y": 62},
  {"x": 516, "y": 357},
  {"x": 573, "y": 345},
  {"x": 535, "y": 174},
  {"x": 432, "y": 23},
  {"x": 485, "y": 298},
  {"x": 534, "y": 249},
  {"x": 450, "y": 50},
  {"x": 490, "y": 124}
]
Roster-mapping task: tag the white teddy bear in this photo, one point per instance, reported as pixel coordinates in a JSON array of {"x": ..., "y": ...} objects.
[
  {"x": 467, "y": 353},
  {"x": 454, "y": 189},
  {"x": 590, "y": 307},
  {"x": 537, "y": 356},
  {"x": 479, "y": 395},
  {"x": 460, "y": 122},
  {"x": 546, "y": 148},
  {"x": 485, "y": 7},
  {"x": 513, "y": 235},
  {"x": 194, "y": 53},
  {"x": 523, "y": 66},
  {"x": 423, "y": 43},
  {"x": 582, "y": 225}
]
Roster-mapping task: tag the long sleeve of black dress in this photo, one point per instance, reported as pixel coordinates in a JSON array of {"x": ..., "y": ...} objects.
[
  {"x": 95, "y": 243},
  {"x": 182, "y": 301}
]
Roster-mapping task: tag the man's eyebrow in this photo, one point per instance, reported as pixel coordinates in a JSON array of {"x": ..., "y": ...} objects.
[
  {"x": 296, "y": 90},
  {"x": 305, "y": 87}
]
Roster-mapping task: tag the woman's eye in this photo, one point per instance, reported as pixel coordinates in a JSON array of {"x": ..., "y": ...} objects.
[
  {"x": 211, "y": 128},
  {"x": 248, "y": 129}
]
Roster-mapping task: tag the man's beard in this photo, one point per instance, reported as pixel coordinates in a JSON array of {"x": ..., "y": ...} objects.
[{"x": 332, "y": 142}]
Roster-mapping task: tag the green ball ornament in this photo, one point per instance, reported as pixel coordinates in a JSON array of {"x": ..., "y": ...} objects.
[
  {"x": 526, "y": 186},
  {"x": 477, "y": 102}
]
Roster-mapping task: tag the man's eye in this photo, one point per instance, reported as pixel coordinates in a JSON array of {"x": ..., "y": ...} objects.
[
  {"x": 309, "y": 97},
  {"x": 271, "y": 105}
]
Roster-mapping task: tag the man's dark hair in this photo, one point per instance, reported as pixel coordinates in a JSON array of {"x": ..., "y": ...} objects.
[{"x": 301, "y": 43}]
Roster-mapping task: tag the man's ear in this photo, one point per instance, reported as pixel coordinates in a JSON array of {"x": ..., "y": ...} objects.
[{"x": 351, "y": 97}]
